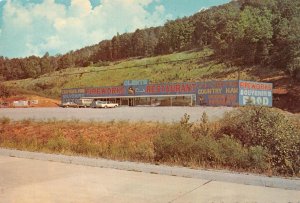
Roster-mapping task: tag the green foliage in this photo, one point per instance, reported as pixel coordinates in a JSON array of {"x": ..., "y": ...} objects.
[
  {"x": 248, "y": 31},
  {"x": 193, "y": 67},
  {"x": 173, "y": 145},
  {"x": 258, "y": 158},
  {"x": 6, "y": 91},
  {"x": 179, "y": 146},
  {"x": 260, "y": 126},
  {"x": 206, "y": 151},
  {"x": 294, "y": 68},
  {"x": 232, "y": 152}
]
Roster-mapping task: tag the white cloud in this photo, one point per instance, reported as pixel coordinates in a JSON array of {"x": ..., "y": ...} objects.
[
  {"x": 49, "y": 26},
  {"x": 160, "y": 8},
  {"x": 202, "y": 9}
]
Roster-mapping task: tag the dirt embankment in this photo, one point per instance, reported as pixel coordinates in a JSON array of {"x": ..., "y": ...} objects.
[
  {"x": 28, "y": 101},
  {"x": 286, "y": 92}
]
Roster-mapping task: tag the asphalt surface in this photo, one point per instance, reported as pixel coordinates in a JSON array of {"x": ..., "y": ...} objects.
[
  {"x": 29, "y": 180},
  {"x": 161, "y": 114}
]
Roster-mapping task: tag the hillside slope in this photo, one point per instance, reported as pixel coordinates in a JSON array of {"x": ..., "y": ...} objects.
[{"x": 178, "y": 67}]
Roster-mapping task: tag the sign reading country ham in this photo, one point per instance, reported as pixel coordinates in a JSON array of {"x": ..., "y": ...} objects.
[
  {"x": 218, "y": 93},
  {"x": 255, "y": 93}
]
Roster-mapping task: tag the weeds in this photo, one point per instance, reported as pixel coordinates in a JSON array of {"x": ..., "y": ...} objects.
[
  {"x": 248, "y": 139},
  {"x": 5, "y": 120},
  {"x": 58, "y": 143}
]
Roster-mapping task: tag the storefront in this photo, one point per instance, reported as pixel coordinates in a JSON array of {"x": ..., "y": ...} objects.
[{"x": 208, "y": 93}]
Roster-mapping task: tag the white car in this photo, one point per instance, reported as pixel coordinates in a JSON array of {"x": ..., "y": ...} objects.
[{"x": 103, "y": 104}]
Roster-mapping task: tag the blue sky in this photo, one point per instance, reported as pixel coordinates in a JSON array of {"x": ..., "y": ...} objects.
[{"x": 34, "y": 27}]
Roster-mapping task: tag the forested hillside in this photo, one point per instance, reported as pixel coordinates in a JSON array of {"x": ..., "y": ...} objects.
[{"x": 243, "y": 32}]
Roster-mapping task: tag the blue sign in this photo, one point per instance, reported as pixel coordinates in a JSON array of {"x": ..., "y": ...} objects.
[
  {"x": 135, "y": 82},
  {"x": 218, "y": 93},
  {"x": 255, "y": 93}
]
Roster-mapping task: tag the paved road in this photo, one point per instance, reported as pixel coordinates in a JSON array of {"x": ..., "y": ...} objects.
[
  {"x": 27, "y": 180},
  {"x": 167, "y": 114}
]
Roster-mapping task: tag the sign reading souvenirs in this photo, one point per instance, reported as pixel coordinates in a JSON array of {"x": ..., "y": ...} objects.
[{"x": 255, "y": 93}]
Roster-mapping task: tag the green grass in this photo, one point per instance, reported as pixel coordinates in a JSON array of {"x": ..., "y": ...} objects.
[{"x": 186, "y": 66}]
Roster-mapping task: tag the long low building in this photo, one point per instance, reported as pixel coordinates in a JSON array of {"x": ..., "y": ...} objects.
[{"x": 207, "y": 93}]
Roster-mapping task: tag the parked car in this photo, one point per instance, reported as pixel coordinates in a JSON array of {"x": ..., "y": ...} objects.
[
  {"x": 69, "y": 104},
  {"x": 110, "y": 105},
  {"x": 84, "y": 103},
  {"x": 103, "y": 104},
  {"x": 96, "y": 104}
]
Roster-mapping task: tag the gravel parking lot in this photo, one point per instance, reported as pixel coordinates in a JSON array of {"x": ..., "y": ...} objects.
[{"x": 162, "y": 114}]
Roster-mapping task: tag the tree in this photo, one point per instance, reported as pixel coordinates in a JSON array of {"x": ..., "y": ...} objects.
[
  {"x": 5, "y": 91},
  {"x": 254, "y": 32}
]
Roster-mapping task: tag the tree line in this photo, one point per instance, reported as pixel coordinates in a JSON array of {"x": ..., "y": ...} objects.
[{"x": 247, "y": 32}]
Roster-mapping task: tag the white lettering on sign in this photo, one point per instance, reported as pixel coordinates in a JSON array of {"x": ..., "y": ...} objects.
[
  {"x": 256, "y": 93},
  {"x": 255, "y": 100}
]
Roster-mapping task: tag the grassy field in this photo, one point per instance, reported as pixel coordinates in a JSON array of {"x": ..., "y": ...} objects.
[{"x": 178, "y": 67}]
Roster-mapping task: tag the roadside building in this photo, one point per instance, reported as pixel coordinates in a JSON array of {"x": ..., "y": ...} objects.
[{"x": 207, "y": 93}]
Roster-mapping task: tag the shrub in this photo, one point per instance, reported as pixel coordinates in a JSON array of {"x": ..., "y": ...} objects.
[
  {"x": 204, "y": 128},
  {"x": 185, "y": 122},
  {"x": 265, "y": 127},
  {"x": 232, "y": 153},
  {"x": 206, "y": 151},
  {"x": 174, "y": 144},
  {"x": 258, "y": 158}
]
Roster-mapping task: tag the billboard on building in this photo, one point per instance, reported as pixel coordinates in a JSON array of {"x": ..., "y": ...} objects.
[
  {"x": 71, "y": 95},
  {"x": 208, "y": 93},
  {"x": 255, "y": 93},
  {"x": 163, "y": 89},
  {"x": 218, "y": 93},
  {"x": 105, "y": 91}
]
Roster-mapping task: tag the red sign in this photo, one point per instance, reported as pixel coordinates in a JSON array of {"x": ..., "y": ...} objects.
[
  {"x": 105, "y": 91},
  {"x": 171, "y": 88}
]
